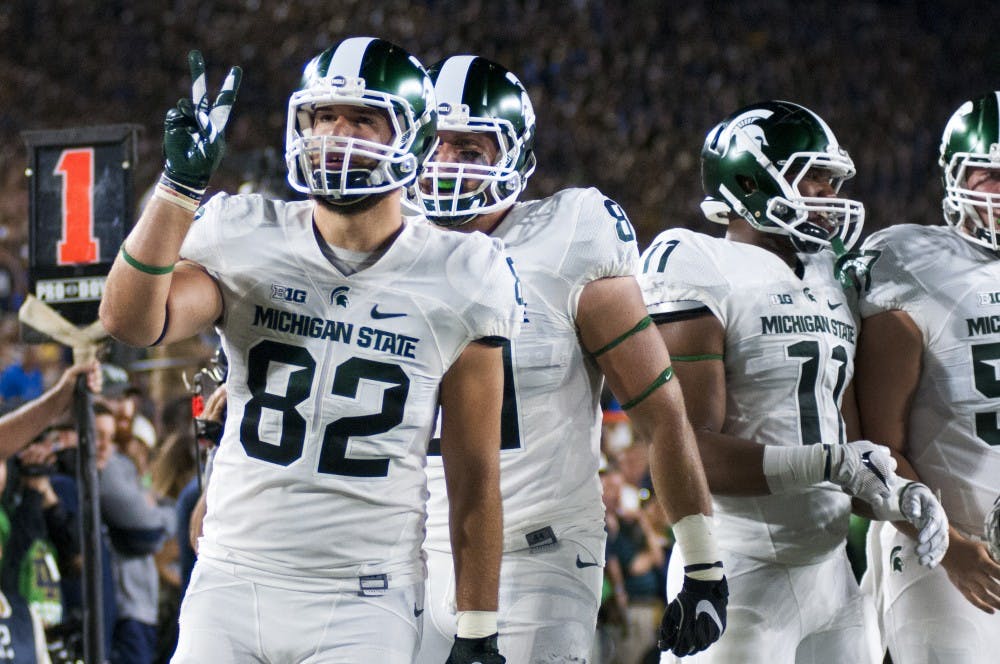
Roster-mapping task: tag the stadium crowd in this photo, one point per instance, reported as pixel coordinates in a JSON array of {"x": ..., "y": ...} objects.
[{"x": 624, "y": 91}]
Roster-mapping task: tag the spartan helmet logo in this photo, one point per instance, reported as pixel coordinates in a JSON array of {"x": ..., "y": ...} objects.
[
  {"x": 754, "y": 133},
  {"x": 746, "y": 130},
  {"x": 895, "y": 559},
  {"x": 338, "y": 296}
]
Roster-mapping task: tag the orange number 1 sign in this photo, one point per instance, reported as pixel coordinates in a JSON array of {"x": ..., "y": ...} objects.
[{"x": 78, "y": 244}]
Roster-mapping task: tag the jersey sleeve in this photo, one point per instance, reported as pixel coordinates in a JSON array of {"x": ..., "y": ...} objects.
[
  {"x": 201, "y": 245},
  {"x": 679, "y": 278},
  {"x": 496, "y": 308},
  {"x": 890, "y": 284},
  {"x": 602, "y": 244}
]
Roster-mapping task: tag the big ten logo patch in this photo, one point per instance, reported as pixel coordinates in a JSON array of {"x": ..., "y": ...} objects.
[{"x": 288, "y": 294}]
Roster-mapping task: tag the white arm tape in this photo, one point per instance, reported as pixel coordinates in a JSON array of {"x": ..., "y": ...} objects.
[
  {"x": 792, "y": 467},
  {"x": 694, "y": 536},
  {"x": 476, "y": 624}
]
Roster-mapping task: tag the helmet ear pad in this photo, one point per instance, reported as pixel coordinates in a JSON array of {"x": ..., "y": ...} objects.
[{"x": 747, "y": 184}]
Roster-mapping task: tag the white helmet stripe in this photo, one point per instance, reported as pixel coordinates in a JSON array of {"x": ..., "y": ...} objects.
[
  {"x": 346, "y": 60},
  {"x": 997, "y": 93},
  {"x": 451, "y": 78}
]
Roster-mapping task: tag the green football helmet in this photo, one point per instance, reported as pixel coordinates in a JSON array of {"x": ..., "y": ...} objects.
[
  {"x": 971, "y": 139},
  {"x": 370, "y": 72},
  {"x": 753, "y": 162},
  {"x": 477, "y": 95}
]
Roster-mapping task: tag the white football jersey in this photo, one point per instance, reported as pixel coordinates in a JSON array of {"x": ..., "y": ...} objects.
[
  {"x": 551, "y": 411},
  {"x": 333, "y": 385},
  {"x": 789, "y": 355},
  {"x": 951, "y": 290}
]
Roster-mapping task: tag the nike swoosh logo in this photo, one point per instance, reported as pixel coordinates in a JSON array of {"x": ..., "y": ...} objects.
[
  {"x": 417, "y": 612},
  {"x": 706, "y": 607},
  {"x": 378, "y": 315},
  {"x": 866, "y": 459},
  {"x": 833, "y": 305},
  {"x": 581, "y": 564}
]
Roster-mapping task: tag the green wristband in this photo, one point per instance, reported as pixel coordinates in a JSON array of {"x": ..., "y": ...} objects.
[{"x": 143, "y": 267}]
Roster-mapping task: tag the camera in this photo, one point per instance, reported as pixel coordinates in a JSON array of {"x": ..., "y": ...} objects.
[{"x": 36, "y": 469}]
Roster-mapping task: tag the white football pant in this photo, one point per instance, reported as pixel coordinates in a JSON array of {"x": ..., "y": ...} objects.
[
  {"x": 925, "y": 619},
  {"x": 225, "y": 619},
  {"x": 548, "y": 604},
  {"x": 789, "y": 614}
]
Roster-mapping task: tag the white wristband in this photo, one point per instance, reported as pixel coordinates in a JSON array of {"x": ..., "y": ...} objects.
[
  {"x": 476, "y": 624},
  {"x": 792, "y": 467},
  {"x": 697, "y": 543}
]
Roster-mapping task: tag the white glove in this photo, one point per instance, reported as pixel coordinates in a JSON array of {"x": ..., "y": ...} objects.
[
  {"x": 915, "y": 503},
  {"x": 991, "y": 530},
  {"x": 862, "y": 468}
]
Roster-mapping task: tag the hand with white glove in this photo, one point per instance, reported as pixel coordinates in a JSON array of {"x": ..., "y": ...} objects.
[
  {"x": 862, "y": 468},
  {"x": 991, "y": 530},
  {"x": 915, "y": 503}
]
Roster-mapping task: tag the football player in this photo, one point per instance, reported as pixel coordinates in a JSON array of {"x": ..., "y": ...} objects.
[
  {"x": 575, "y": 253},
  {"x": 763, "y": 340},
  {"x": 928, "y": 388},
  {"x": 344, "y": 326}
]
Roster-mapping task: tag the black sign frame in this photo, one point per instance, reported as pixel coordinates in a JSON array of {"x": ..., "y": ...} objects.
[{"x": 81, "y": 206}]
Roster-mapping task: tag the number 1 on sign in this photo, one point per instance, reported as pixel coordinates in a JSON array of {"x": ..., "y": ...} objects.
[{"x": 78, "y": 244}]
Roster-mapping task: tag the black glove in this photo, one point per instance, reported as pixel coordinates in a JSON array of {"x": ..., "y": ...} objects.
[
  {"x": 208, "y": 432},
  {"x": 476, "y": 651},
  {"x": 696, "y": 618},
  {"x": 193, "y": 140}
]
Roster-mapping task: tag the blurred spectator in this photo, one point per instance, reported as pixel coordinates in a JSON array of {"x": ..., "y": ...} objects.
[
  {"x": 633, "y": 462},
  {"x": 174, "y": 466},
  {"x": 137, "y": 527},
  {"x": 640, "y": 551},
  {"x": 22, "y": 380},
  {"x": 43, "y": 545},
  {"x": 20, "y": 623},
  {"x": 616, "y": 430},
  {"x": 51, "y": 547},
  {"x": 612, "y": 619},
  {"x": 65, "y": 486},
  {"x": 135, "y": 436}
]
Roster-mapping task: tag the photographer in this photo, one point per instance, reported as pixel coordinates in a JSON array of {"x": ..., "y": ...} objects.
[
  {"x": 38, "y": 538},
  {"x": 29, "y": 576},
  {"x": 44, "y": 537}
]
